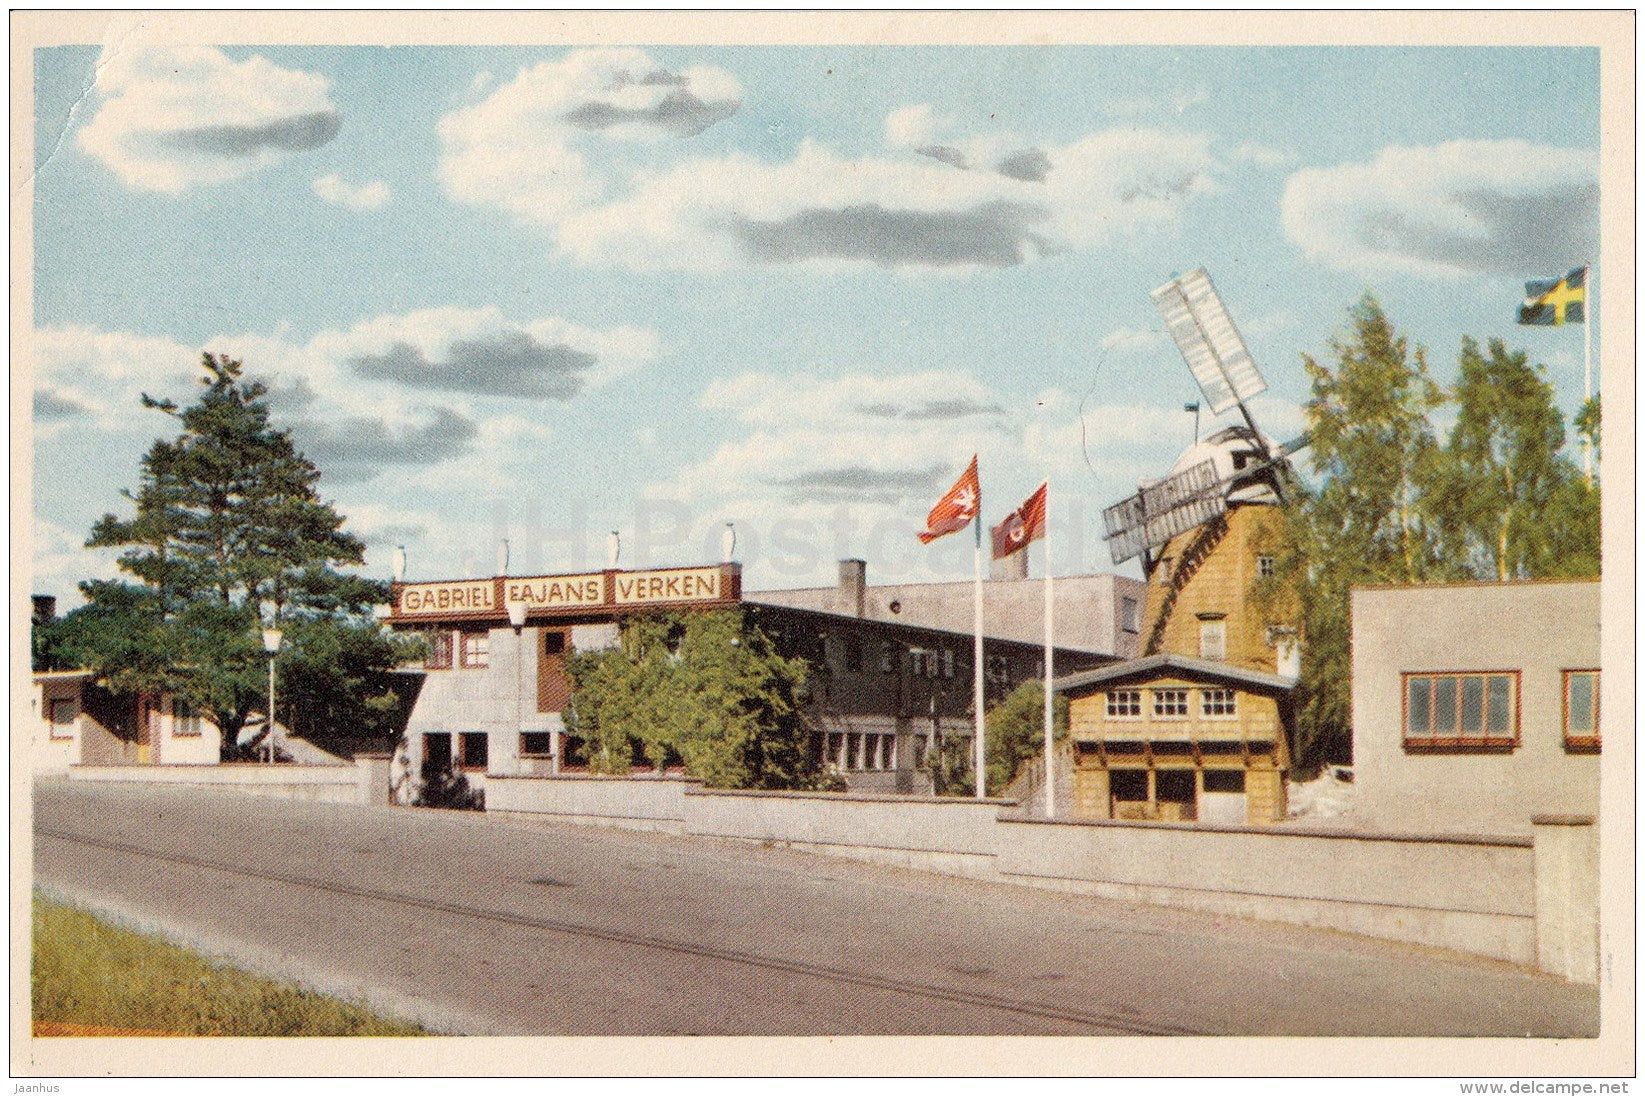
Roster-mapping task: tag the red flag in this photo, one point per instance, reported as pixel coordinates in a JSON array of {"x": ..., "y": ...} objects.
[
  {"x": 955, "y": 510},
  {"x": 1021, "y": 526}
]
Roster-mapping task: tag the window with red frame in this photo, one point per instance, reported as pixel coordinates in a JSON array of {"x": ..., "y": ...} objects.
[
  {"x": 476, "y": 650},
  {"x": 1462, "y": 711},
  {"x": 1582, "y": 711},
  {"x": 439, "y": 651}
]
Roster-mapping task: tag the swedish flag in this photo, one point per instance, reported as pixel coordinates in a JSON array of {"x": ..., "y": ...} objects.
[{"x": 1559, "y": 302}]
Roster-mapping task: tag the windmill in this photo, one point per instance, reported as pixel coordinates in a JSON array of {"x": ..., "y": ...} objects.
[{"x": 1187, "y": 513}]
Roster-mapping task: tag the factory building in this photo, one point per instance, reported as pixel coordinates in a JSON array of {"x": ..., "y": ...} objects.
[{"x": 883, "y": 692}]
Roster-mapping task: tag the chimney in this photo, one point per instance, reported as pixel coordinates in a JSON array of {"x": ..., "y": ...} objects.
[{"x": 853, "y": 586}]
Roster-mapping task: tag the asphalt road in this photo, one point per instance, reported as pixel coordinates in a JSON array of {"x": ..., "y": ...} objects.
[{"x": 481, "y": 926}]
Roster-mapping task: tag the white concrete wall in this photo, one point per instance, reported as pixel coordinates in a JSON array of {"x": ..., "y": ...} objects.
[
  {"x": 172, "y": 749},
  {"x": 329, "y": 784},
  {"x": 1473, "y": 895},
  {"x": 1477, "y": 895},
  {"x": 951, "y": 834},
  {"x": 635, "y": 803},
  {"x": 1539, "y": 629}
]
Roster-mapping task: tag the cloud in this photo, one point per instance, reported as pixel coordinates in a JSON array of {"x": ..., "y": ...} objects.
[
  {"x": 1133, "y": 340},
  {"x": 596, "y": 150},
  {"x": 1491, "y": 207},
  {"x": 522, "y": 147},
  {"x": 48, "y": 406},
  {"x": 1263, "y": 156},
  {"x": 860, "y": 484},
  {"x": 366, "y": 196},
  {"x": 172, "y": 118},
  {"x": 996, "y": 234},
  {"x": 358, "y": 447},
  {"x": 506, "y": 363}
]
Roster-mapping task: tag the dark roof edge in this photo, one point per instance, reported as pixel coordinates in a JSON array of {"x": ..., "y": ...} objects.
[{"x": 1168, "y": 661}]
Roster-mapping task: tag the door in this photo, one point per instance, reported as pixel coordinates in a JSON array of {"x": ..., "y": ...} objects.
[{"x": 553, "y": 683}]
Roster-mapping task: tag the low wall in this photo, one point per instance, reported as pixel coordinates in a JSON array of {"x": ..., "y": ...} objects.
[
  {"x": 635, "y": 803},
  {"x": 948, "y": 834},
  {"x": 1473, "y": 894},
  {"x": 349, "y": 784},
  {"x": 1511, "y": 898}
]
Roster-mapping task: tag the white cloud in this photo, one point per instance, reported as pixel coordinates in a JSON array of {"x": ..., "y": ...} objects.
[
  {"x": 1133, "y": 340},
  {"x": 519, "y": 148},
  {"x": 172, "y": 118},
  {"x": 1495, "y": 207},
  {"x": 937, "y": 200},
  {"x": 366, "y": 196},
  {"x": 1263, "y": 156}
]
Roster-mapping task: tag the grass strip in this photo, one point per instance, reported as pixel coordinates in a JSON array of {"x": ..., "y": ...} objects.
[{"x": 90, "y": 974}]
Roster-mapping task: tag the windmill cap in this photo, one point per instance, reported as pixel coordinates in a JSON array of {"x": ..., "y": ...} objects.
[{"x": 1230, "y": 450}]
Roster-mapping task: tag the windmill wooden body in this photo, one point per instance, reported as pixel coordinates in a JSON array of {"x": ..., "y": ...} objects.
[{"x": 1197, "y": 728}]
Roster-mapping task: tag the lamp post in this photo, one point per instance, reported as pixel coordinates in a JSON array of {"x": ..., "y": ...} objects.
[
  {"x": 271, "y": 644},
  {"x": 516, "y": 617}
]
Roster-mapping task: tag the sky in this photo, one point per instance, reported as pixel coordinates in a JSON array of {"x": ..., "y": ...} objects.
[{"x": 545, "y": 293}]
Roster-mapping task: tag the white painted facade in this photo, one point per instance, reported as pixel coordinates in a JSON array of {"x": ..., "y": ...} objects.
[
  {"x": 76, "y": 722},
  {"x": 1534, "y": 635}
]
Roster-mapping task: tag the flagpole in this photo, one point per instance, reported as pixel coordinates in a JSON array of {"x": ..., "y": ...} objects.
[
  {"x": 1050, "y": 753},
  {"x": 976, "y": 677},
  {"x": 1587, "y": 363}
]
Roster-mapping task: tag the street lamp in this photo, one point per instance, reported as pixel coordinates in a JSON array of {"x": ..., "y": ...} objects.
[
  {"x": 516, "y": 617},
  {"x": 271, "y": 644}
]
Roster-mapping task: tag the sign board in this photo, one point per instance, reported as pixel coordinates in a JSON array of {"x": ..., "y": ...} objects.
[
  {"x": 595, "y": 593},
  {"x": 636, "y": 588},
  {"x": 465, "y": 597}
]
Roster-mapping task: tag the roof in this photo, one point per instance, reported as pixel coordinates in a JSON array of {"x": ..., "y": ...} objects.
[
  {"x": 61, "y": 675},
  {"x": 1225, "y": 672},
  {"x": 850, "y": 619}
]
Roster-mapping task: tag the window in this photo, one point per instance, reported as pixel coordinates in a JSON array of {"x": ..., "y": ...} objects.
[
  {"x": 1213, "y": 640},
  {"x": 853, "y": 654},
  {"x": 63, "y": 713},
  {"x": 553, "y": 643},
  {"x": 186, "y": 723},
  {"x": 948, "y": 662},
  {"x": 1225, "y": 780},
  {"x": 1217, "y": 703},
  {"x": 1124, "y": 704},
  {"x": 476, "y": 650},
  {"x": 888, "y": 663},
  {"x": 1265, "y": 567},
  {"x": 439, "y": 651},
  {"x": 474, "y": 745},
  {"x": 998, "y": 670},
  {"x": 536, "y": 744},
  {"x": 1461, "y": 710},
  {"x": 1128, "y": 615},
  {"x": 1170, "y": 702},
  {"x": 1582, "y": 710}
]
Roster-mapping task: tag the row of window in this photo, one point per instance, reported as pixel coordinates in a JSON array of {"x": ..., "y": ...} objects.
[
  {"x": 1480, "y": 710},
  {"x": 64, "y": 711},
  {"x": 853, "y": 750},
  {"x": 1171, "y": 703}
]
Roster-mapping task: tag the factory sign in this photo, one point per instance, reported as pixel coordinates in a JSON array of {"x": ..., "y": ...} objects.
[{"x": 587, "y": 595}]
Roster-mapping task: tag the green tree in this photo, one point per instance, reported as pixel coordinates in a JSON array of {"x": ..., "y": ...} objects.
[
  {"x": 1374, "y": 452},
  {"x": 229, "y": 534},
  {"x": 1505, "y": 475},
  {"x": 706, "y": 688},
  {"x": 1016, "y": 734}
]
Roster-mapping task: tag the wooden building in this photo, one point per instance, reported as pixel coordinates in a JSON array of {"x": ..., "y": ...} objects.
[{"x": 1171, "y": 738}]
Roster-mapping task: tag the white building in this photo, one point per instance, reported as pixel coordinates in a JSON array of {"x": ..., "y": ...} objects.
[
  {"x": 77, "y": 722},
  {"x": 1476, "y": 705}
]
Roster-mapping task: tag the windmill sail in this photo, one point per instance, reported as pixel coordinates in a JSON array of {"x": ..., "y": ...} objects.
[
  {"x": 1208, "y": 340},
  {"x": 1161, "y": 511}
]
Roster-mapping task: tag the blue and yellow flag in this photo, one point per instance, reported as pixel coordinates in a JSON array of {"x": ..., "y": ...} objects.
[{"x": 1559, "y": 302}]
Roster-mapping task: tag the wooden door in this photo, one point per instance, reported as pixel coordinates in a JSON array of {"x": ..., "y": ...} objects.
[{"x": 553, "y": 683}]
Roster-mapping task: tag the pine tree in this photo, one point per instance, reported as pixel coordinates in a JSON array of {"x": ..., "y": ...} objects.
[{"x": 230, "y": 535}]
